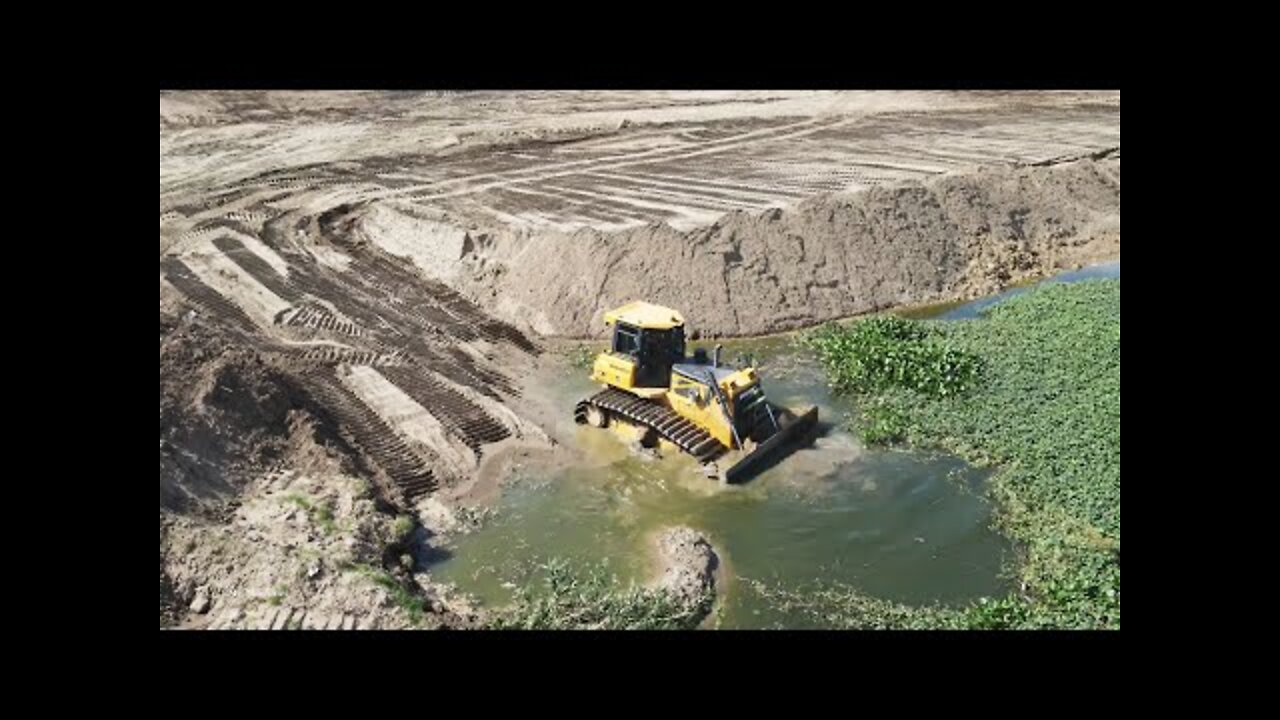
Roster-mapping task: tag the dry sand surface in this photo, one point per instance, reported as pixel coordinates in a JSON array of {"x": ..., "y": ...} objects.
[{"x": 354, "y": 287}]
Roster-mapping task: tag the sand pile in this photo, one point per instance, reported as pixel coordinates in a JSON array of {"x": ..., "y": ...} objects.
[{"x": 953, "y": 237}]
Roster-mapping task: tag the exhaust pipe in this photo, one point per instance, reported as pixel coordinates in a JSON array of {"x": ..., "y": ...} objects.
[{"x": 715, "y": 362}]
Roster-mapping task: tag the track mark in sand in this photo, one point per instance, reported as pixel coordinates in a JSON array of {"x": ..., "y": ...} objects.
[
  {"x": 409, "y": 469},
  {"x": 314, "y": 621},
  {"x": 205, "y": 298},
  {"x": 642, "y": 189},
  {"x": 328, "y": 257},
  {"x": 226, "y": 619},
  {"x": 427, "y": 303},
  {"x": 540, "y": 174},
  {"x": 627, "y": 215},
  {"x": 464, "y": 419},
  {"x": 504, "y": 217},
  {"x": 423, "y": 328},
  {"x": 282, "y": 618},
  {"x": 470, "y": 315},
  {"x": 645, "y": 154},
  {"x": 218, "y": 271},
  {"x": 261, "y": 250},
  {"x": 697, "y": 183},
  {"x": 689, "y": 213},
  {"x": 321, "y": 318},
  {"x": 461, "y": 369},
  {"x": 258, "y": 268},
  {"x": 289, "y": 618},
  {"x": 578, "y": 211},
  {"x": 407, "y": 416},
  {"x": 494, "y": 409},
  {"x": 350, "y": 300},
  {"x": 330, "y": 355}
]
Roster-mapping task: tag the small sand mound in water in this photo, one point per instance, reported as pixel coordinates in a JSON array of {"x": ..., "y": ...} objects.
[{"x": 687, "y": 563}]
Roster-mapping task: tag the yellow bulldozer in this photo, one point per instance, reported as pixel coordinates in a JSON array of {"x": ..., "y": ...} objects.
[{"x": 694, "y": 403}]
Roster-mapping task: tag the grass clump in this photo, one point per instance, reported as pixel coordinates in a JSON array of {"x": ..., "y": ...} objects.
[
  {"x": 402, "y": 528},
  {"x": 413, "y": 605},
  {"x": 321, "y": 514},
  {"x": 839, "y": 606},
  {"x": 592, "y": 600},
  {"x": 362, "y": 489}
]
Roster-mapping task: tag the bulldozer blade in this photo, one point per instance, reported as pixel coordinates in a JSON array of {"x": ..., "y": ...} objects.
[{"x": 790, "y": 433}]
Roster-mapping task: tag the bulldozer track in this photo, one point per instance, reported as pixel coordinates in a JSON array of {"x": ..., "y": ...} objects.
[
  {"x": 666, "y": 422},
  {"x": 408, "y": 469}
]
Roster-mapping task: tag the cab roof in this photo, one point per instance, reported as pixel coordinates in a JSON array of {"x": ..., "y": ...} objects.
[{"x": 645, "y": 315}]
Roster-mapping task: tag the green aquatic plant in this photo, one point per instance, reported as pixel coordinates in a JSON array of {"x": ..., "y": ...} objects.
[
  {"x": 1046, "y": 412},
  {"x": 886, "y": 351}
]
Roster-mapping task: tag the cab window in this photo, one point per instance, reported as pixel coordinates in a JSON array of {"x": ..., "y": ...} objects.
[{"x": 626, "y": 340}]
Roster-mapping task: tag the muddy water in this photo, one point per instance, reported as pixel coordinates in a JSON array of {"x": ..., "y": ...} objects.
[
  {"x": 975, "y": 308},
  {"x": 906, "y": 526}
]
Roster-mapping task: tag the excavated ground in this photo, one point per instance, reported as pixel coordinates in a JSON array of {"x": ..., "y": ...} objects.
[{"x": 355, "y": 287}]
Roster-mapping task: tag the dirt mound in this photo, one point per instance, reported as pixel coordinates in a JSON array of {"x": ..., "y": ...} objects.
[
  {"x": 413, "y": 377},
  {"x": 954, "y": 237},
  {"x": 268, "y": 516},
  {"x": 311, "y": 388},
  {"x": 219, "y": 414},
  {"x": 298, "y": 550},
  {"x": 688, "y": 564}
]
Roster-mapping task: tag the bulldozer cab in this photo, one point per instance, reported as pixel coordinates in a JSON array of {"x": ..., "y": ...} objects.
[
  {"x": 699, "y": 406},
  {"x": 650, "y": 336}
]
